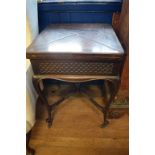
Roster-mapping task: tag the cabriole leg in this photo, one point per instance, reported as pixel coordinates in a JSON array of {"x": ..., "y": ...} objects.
[
  {"x": 49, "y": 120},
  {"x": 109, "y": 98}
]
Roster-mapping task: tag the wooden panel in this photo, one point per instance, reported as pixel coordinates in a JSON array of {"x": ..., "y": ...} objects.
[
  {"x": 116, "y": 22},
  {"x": 124, "y": 38},
  {"x": 124, "y": 25}
]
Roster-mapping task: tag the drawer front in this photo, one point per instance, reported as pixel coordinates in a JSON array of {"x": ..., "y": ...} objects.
[{"x": 76, "y": 68}]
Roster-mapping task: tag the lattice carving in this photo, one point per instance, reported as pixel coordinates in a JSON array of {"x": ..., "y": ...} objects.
[{"x": 76, "y": 68}]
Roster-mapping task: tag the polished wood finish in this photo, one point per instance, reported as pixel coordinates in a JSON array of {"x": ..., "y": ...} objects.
[
  {"x": 67, "y": 51},
  {"x": 124, "y": 25},
  {"x": 116, "y": 22},
  {"x": 76, "y": 39},
  {"x": 120, "y": 24},
  {"x": 124, "y": 38},
  {"x": 88, "y": 44}
]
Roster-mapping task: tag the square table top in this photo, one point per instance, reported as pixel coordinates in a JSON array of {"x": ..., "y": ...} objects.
[{"x": 76, "y": 38}]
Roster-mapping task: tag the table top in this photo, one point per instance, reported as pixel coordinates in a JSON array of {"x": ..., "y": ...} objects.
[{"x": 76, "y": 38}]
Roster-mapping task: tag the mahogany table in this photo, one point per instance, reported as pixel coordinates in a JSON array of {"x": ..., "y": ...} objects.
[{"x": 77, "y": 53}]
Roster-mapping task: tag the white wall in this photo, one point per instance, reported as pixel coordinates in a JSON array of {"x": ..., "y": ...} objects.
[
  {"x": 32, "y": 17},
  {"x": 31, "y": 33}
]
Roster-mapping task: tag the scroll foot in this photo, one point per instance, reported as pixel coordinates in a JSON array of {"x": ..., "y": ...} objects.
[
  {"x": 104, "y": 124},
  {"x": 49, "y": 121}
]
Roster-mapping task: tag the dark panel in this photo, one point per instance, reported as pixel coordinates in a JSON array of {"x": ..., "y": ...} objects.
[
  {"x": 112, "y": 7},
  {"x": 90, "y": 17},
  {"x": 76, "y": 12}
]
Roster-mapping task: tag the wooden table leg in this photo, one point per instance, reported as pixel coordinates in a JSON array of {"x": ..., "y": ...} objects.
[
  {"x": 30, "y": 150},
  {"x": 36, "y": 83},
  {"x": 109, "y": 98},
  {"x": 50, "y": 108},
  {"x": 110, "y": 95}
]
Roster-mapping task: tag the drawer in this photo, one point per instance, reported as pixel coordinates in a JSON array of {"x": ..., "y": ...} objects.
[{"x": 75, "y": 68}]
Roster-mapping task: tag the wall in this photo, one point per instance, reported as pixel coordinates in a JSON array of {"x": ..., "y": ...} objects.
[
  {"x": 32, "y": 17},
  {"x": 31, "y": 33}
]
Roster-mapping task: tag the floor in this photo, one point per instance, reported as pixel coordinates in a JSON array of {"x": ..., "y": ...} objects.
[{"x": 76, "y": 130}]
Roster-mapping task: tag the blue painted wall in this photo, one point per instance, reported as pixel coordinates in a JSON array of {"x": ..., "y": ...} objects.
[{"x": 76, "y": 12}]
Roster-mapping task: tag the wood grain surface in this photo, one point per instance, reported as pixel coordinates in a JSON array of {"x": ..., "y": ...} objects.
[{"x": 76, "y": 131}]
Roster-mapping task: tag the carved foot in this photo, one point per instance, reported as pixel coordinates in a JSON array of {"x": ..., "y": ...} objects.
[
  {"x": 31, "y": 151},
  {"x": 49, "y": 121},
  {"x": 104, "y": 124}
]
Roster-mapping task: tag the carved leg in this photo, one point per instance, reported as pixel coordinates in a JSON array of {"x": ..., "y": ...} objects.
[
  {"x": 43, "y": 98},
  {"x": 28, "y": 148},
  {"x": 49, "y": 120},
  {"x": 109, "y": 99},
  {"x": 101, "y": 88},
  {"x": 105, "y": 121},
  {"x": 38, "y": 89},
  {"x": 51, "y": 110}
]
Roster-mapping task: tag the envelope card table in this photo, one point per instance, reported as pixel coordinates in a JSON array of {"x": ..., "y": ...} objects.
[{"x": 77, "y": 53}]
